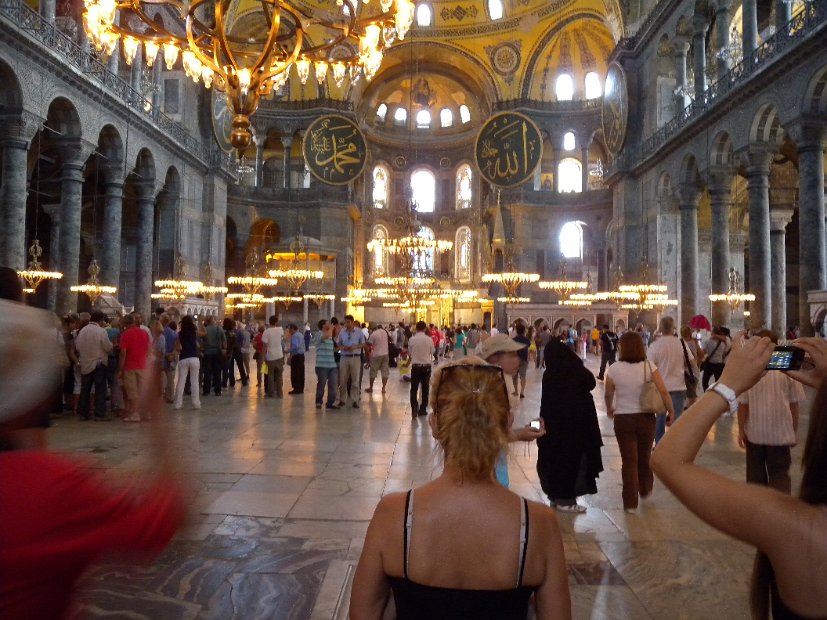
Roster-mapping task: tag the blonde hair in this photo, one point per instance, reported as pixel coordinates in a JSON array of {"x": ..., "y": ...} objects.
[{"x": 471, "y": 418}]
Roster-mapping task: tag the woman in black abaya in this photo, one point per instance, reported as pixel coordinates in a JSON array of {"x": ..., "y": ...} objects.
[{"x": 568, "y": 460}]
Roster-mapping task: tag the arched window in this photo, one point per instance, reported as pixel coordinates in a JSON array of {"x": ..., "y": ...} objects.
[
  {"x": 380, "y": 256},
  {"x": 593, "y": 86},
  {"x": 423, "y": 119},
  {"x": 380, "y": 187},
  {"x": 423, "y": 15},
  {"x": 564, "y": 88},
  {"x": 424, "y": 263},
  {"x": 382, "y": 112},
  {"x": 568, "y": 141},
  {"x": 464, "y": 114},
  {"x": 400, "y": 117},
  {"x": 423, "y": 190},
  {"x": 571, "y": 240},
  {"x": 495, "y": 9},
  {"x": 464, "y": 191},
  {"x": 462, "y": 257},
  {"x": 569, "y": 174},
  {"x": 446, "y": 117}
]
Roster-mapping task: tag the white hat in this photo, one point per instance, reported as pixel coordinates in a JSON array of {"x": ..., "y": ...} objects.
[
  {"x": 499, "y": 343},
  {"x": 27, "y": 368}
]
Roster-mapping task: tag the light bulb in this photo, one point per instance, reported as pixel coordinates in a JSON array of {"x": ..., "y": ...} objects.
[
  {"x": 207, "y": 75},
  {"x": 170, "y": 55},
  {"x": 339, "y": 69},
  {"x": 244, "y": 79},
  {"x": 320, "y": 68},
  {"x": 303, "y": 69},
  {"x": 150, "y": 52},
  {"x": 130, "y": 48}
]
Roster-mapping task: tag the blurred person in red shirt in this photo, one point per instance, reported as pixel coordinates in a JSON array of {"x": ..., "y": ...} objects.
[{"x": 57, "y": 515}]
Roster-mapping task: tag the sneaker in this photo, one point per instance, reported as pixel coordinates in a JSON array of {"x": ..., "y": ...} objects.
[
  {"x": 574, "y": 508},
  {"x": 196, "y": 406},
  {"x": 333, "y": 406},
  {"x": 132, "y": 418},
  {"x": 631, "y": 511}
]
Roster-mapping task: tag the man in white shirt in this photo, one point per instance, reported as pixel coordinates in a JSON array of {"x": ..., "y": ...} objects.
[
  {"x": 93, "y": 346},
  {"x": 378, "y": 342},
  {"x": 667, "y": 354},
  {"x": 421, "y": 349},
  {"x": 273, "y": 341},
  {"x": 768, "y": 426},
  {"x": 351, "y": 342}
]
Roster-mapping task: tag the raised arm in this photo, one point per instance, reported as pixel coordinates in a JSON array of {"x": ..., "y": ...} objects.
[{"x": 772, "y": 521}]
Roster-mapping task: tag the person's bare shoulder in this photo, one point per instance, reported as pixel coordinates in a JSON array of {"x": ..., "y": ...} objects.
[{"x": 543, "y": 520}]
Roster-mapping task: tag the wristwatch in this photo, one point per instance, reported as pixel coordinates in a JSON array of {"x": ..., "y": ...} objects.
[{"x": 728, "y": 394}]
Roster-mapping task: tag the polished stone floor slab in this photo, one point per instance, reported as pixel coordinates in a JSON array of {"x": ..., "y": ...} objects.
[{"x": 281, "y": 493}]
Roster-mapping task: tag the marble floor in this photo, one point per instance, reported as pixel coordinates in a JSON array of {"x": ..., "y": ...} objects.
[{"x": 280, "y": 496}]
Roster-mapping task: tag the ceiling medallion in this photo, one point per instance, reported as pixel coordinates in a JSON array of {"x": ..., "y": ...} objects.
[
  {"x": 400, "y": 161},
  {"x": 505, "y": 57},
  {"x": 445, "y": 162}
]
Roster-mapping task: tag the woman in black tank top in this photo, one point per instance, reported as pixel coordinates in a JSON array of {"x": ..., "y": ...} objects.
[
  {"x": 463, "y": 546},
  {"x": 790, "y": 534}
]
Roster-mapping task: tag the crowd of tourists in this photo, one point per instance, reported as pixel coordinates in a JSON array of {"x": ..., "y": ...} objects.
[{"x": 475, "y": 548}]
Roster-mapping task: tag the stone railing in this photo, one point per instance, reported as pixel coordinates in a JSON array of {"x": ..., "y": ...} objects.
[
  {"x": 590, "y": 198},
  {"x": 576, "y": 105},
  {"x": 813, "y": 17},
  {"x": 52, "y": 40}
]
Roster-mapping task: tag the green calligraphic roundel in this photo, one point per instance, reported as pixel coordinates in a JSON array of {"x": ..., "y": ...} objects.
[
  {"x": 334, "y": 150},
  {"x": 615, "y": 108},
  {"x": 508, "y": 149},
  {"x": 222, "y": 120}
]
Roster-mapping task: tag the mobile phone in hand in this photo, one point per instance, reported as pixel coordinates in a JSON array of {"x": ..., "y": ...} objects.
[
  {"x": 786, "y": 357},
  {"x": 534, "y": 425}
]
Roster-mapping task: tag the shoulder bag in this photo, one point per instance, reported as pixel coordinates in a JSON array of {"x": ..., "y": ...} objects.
[
  {"x": 688, "y": 376},
  {"x": 650, "y": 398}
]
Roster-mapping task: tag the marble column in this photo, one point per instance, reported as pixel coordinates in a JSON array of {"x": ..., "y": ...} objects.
[
  {"x": 332, "y": 308},
  {"x": 136, "y": 77},
  {"x": 722, "y": 38},
  {"x": 812, "y": 274},
  {"x": 259, "y": 161},
  {"x": 156, "y": 81},
  {"x": 113, "y": 64},
  {"x": 145, "y": 203},
  {"x": 53, "y": 211},
  {"x": 681, "y": 48},
  {"x": 779, "y": 218},
  {"x": 287, "y": 143},
  {"x": 689, "y": 197},
  {"x": 584, "y": 160},
  {"x": 47, "y": 10},
  {"x": 71, "y": 194},
  {"x": 110, "y": 259},
  {"x": 699, "y": 57},
  {"x": 555, "y": 159},
  {"x": 783, "y": 14},
  {"x": 13, "y": 199},
  {"x": 721, "y": 202},
  {"x": 749, "y": 33},
  {"x": 760, "y": 282},
  {"x": 305, "y": 312}
]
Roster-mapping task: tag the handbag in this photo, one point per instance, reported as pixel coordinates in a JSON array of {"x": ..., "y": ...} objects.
[
  {"x": 650, "y": 398},
  {"x": 688, "y": 376}
]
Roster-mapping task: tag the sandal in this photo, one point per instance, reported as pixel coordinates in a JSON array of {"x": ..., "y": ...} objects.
[{"x": 574, "y": 508}]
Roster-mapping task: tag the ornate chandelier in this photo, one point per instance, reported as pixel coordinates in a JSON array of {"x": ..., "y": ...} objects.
[
  {"x": 34, "y": 274},
  {"x": 92, "y": 289},
  {"x": 295, "y": 274},
  {"x": 564, "y": 287},
  {"x": 251, "y": 281},
  {"x": 511, "y": 281},
  {"x": 733, "y": 297},
  {"x": 319, "y": 298},
  {"x": 179, "y": 287},
  {"x": 247, "y": 54}
]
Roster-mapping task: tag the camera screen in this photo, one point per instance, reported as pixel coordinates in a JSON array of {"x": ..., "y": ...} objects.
[{"x": 780, "y": 360}]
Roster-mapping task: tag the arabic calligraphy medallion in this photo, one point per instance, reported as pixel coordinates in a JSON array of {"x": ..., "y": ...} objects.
[
  {"x": 334, "y": 149},
  {"x": 508, "y": 149},
  {"x": 615, "y": 108}
]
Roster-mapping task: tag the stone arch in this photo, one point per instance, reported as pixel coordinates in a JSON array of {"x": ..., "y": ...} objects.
[
  {"x": 145, "y": 166},
  {"x": 264, "y": 234},
  {"x": 664, "y": 185},
  {"x": 63, "y": 120},
  {"x": 815, "y": 96},
  {"x": 721, "y": 150},
  {"x": 110, "y": 147},
  {"x": 11, "y": 95},
  {"x": 766, "y": 126},
  {"x": 689, "y": 173}
]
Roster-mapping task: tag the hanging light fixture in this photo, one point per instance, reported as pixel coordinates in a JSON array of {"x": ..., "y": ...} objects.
[
  {"x": 564, "y": 287},
  {"x": 178, "y": 287},
  {"x": 252, "y": 282},
  {"x": 734, "y": 296},
  {"x": 252, "y": 61},
  {"x": 296, "y": 274},
  {"x": 34, "y": 274},
  {"x": 93, "y": 289}
]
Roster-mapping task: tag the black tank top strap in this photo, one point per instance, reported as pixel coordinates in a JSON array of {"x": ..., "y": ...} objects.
[
  {"x": 406, "y": 533},
  {"x": 523, "y": 539}
]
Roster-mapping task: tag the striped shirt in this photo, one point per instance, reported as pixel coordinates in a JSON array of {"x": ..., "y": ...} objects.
[
  {"x": 324, "y": 354},
  {"x": 770, "y": 421}
]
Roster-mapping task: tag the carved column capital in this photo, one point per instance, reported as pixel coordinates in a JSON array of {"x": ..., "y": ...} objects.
[{"x": 779, "y": 218}]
